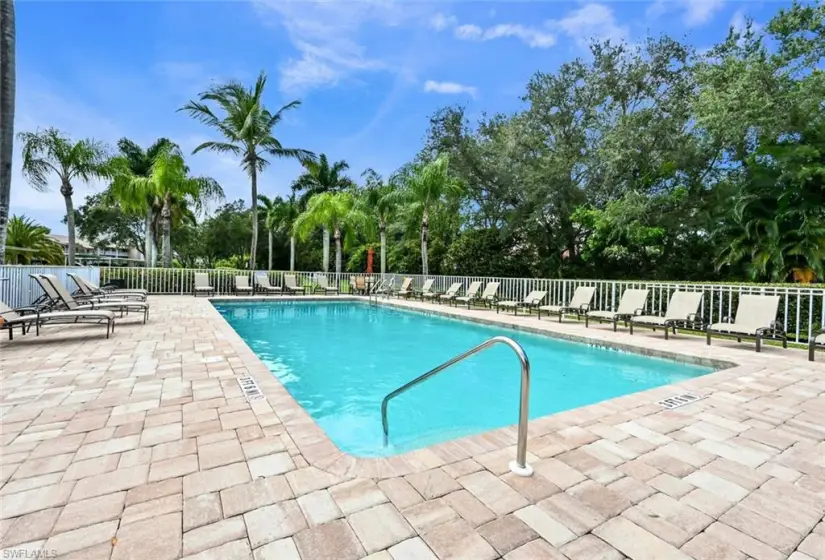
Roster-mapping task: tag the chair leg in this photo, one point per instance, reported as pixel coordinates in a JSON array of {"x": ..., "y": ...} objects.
[
  {"x": 758, "y": 343},
  {"x": 666, "y": 333},
  {"x": 708, "y": 335},
  {"x": 631, "y": 328},
  {"x": 810, "y": 349},
  {"x": 615, "y": 326}
]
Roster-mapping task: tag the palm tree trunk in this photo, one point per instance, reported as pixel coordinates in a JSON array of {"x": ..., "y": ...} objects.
[
  {"x": 383, "y": 233},
  {"x": 291, "y": 253},
  {"x": 7, "y": 92},
  {"x": 66, "y": 191},
  {"x": 270, "y": 250},
  {"x": 326, "y": 249},
  {"x": 166, "y": 219},
  {"x": 338, "y": 252},
  {"x": 148, "y": 242},
  {"x": 253, "y": 174},
  {"x": 425, "y": 236}
]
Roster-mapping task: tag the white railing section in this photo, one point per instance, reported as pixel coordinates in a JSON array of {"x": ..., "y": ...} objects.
[
  {"x": 18, "y": 288},
  {"x": 802, "y": 307}
]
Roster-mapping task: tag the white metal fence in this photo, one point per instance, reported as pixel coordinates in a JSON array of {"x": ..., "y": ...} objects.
[
  {"x": 802, "y": 307},
  {"x": 18, "y": 288}
]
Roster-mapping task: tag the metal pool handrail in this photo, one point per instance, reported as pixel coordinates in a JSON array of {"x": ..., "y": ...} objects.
[{"x": 519, "y": 466}]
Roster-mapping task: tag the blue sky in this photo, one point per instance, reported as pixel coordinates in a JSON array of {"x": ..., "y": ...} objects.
[{"x": 369, "y": 73}]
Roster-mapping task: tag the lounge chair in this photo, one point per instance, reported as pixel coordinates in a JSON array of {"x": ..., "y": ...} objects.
[
  {"x": 451, "y": 292},
  {"x": 62, "y": 298},
  {"x": 488, "y": 297},
  {"x": 405, "y": 289},
  {"x": 291, "y": 285},
  {"x": 579, "y": 303},
  {"x": 28, "y": 316},
  {"x": 532, "y": 301},
  {"x": 385, "y": 288},
  {"x": 89, "y": 290},
  {"x": 632, "y": 303},
  {"x": 683, "y": 309},
  {"x": 470, "y": 295},
  {"x": 242, "y": 286},
  {"x": 202, "y": 285},
  {"x": 426, "y": 290},
  {"x": 755, "y": 318},
  {"x": 262, "y": 285},
  {"x": 816, "y": 341},
  {"x": 323, "y": 284}
]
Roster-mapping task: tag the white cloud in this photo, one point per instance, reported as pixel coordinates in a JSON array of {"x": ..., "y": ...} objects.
[
  {"x": 694, "y": 12},
  {"x": 452, "y": 88},
  {"x": 441, "y": 21},
  {"x": 591, "y": 21},
  {"x": 326, "y": 36},
  {"x": 531, "y": 36}
]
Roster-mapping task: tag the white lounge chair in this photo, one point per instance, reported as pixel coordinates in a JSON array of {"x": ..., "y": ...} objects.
[
  {"x": 291, "y": 285},
  {"x": 451, "y": 292},
  {"x": 323, "y": 284},
  {"x": 683, "y": 309},
  {"x": 242, "y": 286},
  {"x": 262, "y": 285},
  {"x": 28, "y": 316},
  {"x": 579, "y": 303},
  {"x": 61, "y": 297},
  {"x": 532, "y": 301},
  {"x": 816, "y": 341},
  {"x": 426, "y": 290},
  {"x": 471, "y": 295},
  {"x": 755, "y": 318},
  {"x": 202, "y": 285},
  {"x": 405, "y": 289},
  {"x": 632, "y": 303}
]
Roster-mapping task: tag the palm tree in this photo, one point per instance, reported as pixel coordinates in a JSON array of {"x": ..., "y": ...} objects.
[
  {"x": 271, "y": 206},
  {"x": 381, "y": 202},
  {"x": 335, "y": 211},
  {"x": 285, "y": 216},
  {"x": 247, "y": 127},
  {"x": 138, "y": 162},
  {"x": 168, "y": 181},
  {"x": 50, "y": 151},
  {"x": 320, "y": 177},
  {"x": 426, "y": 186},
  {"x": 28, "y": 241},
  {"x": 7, "y": 92}
]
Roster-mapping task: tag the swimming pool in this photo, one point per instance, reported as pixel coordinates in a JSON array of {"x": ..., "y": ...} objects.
[{"x": 339, "y": 359}]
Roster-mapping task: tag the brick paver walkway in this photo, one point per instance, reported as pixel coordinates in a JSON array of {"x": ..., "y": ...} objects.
[{"x": 143, "y": 447}]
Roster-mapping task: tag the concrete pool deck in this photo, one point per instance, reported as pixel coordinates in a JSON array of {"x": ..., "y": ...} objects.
[{"x": 143, "y": 446}]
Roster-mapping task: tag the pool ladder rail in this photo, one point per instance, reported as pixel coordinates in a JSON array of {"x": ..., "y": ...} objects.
[{"x": 519, "y": 466}]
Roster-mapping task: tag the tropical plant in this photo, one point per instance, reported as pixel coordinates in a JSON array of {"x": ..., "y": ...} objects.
[
  {"x": 50, "y": 151},
  {"x": 146, "y": 204},
  {"x": 380, "y": 202},
  {"x": 168, "y": 182},
  {"x": 335, "y": 211},
  {"x": 247, "y": 127},
  {"x": 285, "y": 215},
  {"x": 28, "y": 242},
  {"x": 320, "y": 177},
  {"x": 7, "y": 92},
  {"x": 270, "y": 207},
  {"x": 425, "y": 188}
]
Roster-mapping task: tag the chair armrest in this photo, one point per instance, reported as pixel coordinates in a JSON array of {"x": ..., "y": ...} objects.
[
  {"x": 638, "y": 312},
  {"x": 585, "y": 307}
]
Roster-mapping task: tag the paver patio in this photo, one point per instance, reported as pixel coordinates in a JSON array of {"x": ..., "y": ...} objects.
[{"x": 143, "y": 447}]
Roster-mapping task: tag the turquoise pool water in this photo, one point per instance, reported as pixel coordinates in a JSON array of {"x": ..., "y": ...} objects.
[{"x": 339, "y": 359}]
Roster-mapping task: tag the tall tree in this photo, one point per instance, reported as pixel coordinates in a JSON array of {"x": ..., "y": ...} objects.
[
  {"x": 320, "y": 177},
  {"x": 381, "y": 203},
  {"x": 139, "y": 163},
  {"x": 270, "y": 207},
  {"x": 336, "y": 211},
  {"x": 50, "y": 151},
  {"x": 7, "y": 93},
  {"x": 426, "y": 187},
  {"x": 248, "y": 131},
  {"x": 169, "y": 182},
  {"x": 285, "y": 215}
]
